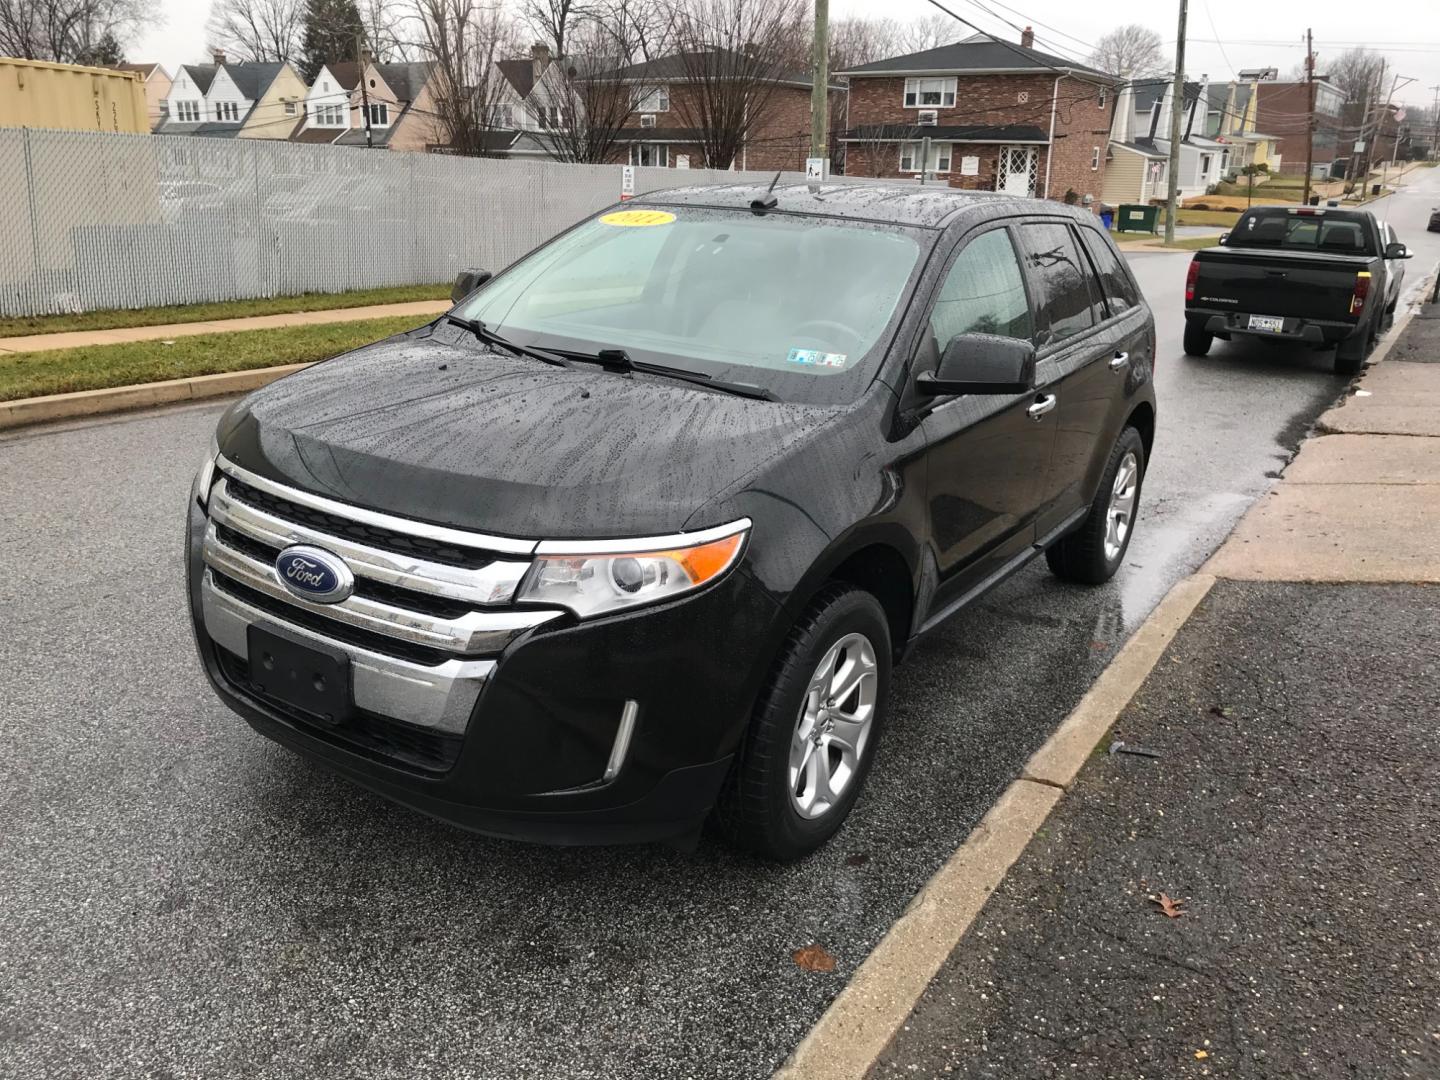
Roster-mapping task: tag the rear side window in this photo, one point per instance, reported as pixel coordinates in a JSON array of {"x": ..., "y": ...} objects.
[
  {"x": 984, "y": 293},
  {"x": 1064, "y": 298},
  {"x": 1115, "y": 284}
]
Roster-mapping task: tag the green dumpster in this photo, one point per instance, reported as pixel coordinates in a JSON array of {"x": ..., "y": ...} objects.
[{"x": 1132, "y": 218}]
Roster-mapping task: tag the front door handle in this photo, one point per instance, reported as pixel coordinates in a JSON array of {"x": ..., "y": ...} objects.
[
  {"x": 1042, "y": 405},
  {"x": 1119, "y": 360}
]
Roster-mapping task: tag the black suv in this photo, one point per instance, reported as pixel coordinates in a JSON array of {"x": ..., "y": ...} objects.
[{"x": 632, "y": 536}]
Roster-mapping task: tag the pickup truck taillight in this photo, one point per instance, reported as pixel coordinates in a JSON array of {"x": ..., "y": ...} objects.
[
  {"x": 1362, "y": 290},
  {"x": 1191, "y": 277}
]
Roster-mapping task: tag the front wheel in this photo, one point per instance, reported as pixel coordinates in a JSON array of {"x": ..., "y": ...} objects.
[
  {"x": 812, "y": 737},
  {"x": 1093, "y": 552},
  {"x": 1197, "y": 340}
]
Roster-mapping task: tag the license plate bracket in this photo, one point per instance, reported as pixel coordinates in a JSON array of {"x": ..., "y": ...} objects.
[
  {"x": 310, "y": 678},
  {"x": 1274, "y": 324}
]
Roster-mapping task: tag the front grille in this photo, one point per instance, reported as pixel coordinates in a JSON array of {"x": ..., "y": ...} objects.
[
  {"x": 330, "y": 628},
  {"x": 379, "y": 591},
  {"x": 374, "y": 735},
  {"x": 373, "y": 535}
]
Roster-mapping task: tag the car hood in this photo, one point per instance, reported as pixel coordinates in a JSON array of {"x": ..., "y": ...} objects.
[{"x": 444, "y": 431}]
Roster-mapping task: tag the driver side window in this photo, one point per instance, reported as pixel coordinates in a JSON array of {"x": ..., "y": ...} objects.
[{"x": 984, "y": 293}]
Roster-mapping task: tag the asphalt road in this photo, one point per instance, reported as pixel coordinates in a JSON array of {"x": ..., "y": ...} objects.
[{"x": 184, "y": 899}]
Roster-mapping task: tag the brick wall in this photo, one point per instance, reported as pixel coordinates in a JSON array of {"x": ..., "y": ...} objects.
[
  {"x": 1081, "y": 124},
  {"x": 1281, "y": 110}
]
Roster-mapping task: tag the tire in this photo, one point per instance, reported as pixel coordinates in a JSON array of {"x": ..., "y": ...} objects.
[
  {"x": 1092, "y": 553},
  {"x": 1350, "y": 354},
  {"x": 1197, "y": 340},
  {"x": 760, "y": 808}
]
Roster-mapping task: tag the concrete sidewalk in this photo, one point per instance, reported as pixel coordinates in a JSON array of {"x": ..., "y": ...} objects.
[
  {"x": 1292, "y": 804},
  {"x": 77, "y": 339}
]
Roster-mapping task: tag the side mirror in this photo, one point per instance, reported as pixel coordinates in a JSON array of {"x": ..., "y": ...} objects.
[
  {"x": 466, "y": 282},
  {"x": 981, "y": 364},
  {"x": 1224, "y": 238},
  {"x": 1397, "y": 251}
]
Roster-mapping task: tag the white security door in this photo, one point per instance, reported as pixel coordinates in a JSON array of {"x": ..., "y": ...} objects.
[{"x": 1017, "y": 170}]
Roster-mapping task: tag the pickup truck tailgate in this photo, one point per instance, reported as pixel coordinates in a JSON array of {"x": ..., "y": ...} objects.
[{"x": 1303, "y": 285}]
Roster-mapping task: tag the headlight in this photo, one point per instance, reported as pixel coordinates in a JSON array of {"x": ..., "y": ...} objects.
[
  {"x": 205, "y": 478},
  {"x": 597, "y": 577}
]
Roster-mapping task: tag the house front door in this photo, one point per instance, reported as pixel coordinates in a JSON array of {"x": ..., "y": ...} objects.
[{"x": 1017, "y": 171}]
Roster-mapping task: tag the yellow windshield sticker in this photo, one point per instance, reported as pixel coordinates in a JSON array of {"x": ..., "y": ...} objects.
[{"x": 638, "y": 217}]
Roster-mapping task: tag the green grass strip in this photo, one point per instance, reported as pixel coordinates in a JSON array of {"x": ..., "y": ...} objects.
[
  {"x": 60, "y": 371},
  {"x": 224, "y": 309}
]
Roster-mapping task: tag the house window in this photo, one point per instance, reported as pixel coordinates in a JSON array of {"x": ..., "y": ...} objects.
[
  {"x": 923, "y": 93},
  {"x": 187, "y": 112},
  {"x": 551, "y": 116},
  {"x": 1205, "y": 160},
  {"x": 656, "y": 155},
  {"x": 227, "y": 110},
  {"x": 164, "y": 108},
  {"x": 289, "y": 108},
  {"x": 379, "y": 114},
  {"x": 503, "y": 116},
  {"x": 1102, "y": 97},
  {"x": 939, "y": 157},
  {"x": 1094, "y": 157},
  {"x": 330, "y": 116},
  {"x": 651, "y": 98}
]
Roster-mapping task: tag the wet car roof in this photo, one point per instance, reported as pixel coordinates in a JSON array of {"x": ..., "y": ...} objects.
[{"x": 930, "y": 206}]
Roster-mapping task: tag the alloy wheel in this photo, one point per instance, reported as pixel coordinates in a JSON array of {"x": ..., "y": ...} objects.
[
  {"x": 834, "y": 725},
  {"x": 1120, "y": 514}
]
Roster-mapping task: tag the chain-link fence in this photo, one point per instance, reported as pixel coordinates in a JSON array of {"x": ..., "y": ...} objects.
[{"x": 94, "y": 220}]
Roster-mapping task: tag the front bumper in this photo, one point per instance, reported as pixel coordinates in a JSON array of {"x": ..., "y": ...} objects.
[{"x": 523, "y": 743}]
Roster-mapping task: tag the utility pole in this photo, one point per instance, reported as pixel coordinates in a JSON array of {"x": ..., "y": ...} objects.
[
  {"x": 1395, "y": 84},
  {"x": 363, "y": 62},
  {"x": 1435, "y": 129},
  {"x": 1177, "y": 104},
  {"x": 820, "y": 91},
  {"x": 924, "y": 158},
  {"x": 1309, "y": 114}
]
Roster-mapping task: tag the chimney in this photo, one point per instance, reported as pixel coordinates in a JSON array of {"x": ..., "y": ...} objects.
[
  {"x": 219, "y": 55},
  {"x": 539, "y": 59},
  {"x": 1027, "y": 38}
]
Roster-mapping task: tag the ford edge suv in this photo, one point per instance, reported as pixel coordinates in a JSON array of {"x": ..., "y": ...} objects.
[{"x": 632, "y": 536}]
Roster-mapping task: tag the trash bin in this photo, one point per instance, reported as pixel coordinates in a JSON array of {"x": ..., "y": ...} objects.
[
  {"x": 1135, "y": 218},
  {"x": 1314, "y": 200},
  {"x": 1107, "y": 218},
  {"x": 1374, "y": 189}
]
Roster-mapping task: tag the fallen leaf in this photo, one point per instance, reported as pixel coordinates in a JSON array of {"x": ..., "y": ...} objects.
[
  {"x": 1201, "y": 1055},
  {"x": 1169, "y": 906},
  {"x": 814, "y": 958}
]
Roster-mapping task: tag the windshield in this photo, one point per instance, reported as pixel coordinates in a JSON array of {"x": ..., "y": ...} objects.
[
  {"x": 799, "y": 305},
  {"x": 1300, "y": 232}
]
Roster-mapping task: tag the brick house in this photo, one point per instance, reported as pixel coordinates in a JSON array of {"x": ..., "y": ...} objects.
[
  {"x": 999, "y": 116},
  {"x": 1281, "y": 109},
  {"x": 663, "y": 128}
]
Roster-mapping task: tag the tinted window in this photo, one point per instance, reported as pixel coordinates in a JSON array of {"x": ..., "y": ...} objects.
[
  {"x": 984, "y": 293},
  {"x": 1114, "y": 282},
  {"x": 1345, "y": 233},
  {"x": 1061, "y": 280}
]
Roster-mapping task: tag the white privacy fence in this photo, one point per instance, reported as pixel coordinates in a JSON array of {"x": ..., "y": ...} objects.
[{"x": 91, "y": 220}]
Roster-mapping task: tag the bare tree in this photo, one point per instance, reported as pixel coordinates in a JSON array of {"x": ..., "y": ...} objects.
[
  {"x": 553, "y": 20},
  {"x": 69, "y": 31},
  {"x": 385, "y": 31},
  {"x": 874, "y": 149},
  {"x": 730, "y": 56},
  {"x": 464, "y": 38},
  {"x": 1131, "y": 51},
  {"x": 929, "y": 32},
  {"x": 268, "y": 31},
  {"x": 856, "y": 40}
]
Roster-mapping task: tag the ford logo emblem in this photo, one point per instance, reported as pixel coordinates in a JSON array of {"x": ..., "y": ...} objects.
[{"x": 314, "y": 574}]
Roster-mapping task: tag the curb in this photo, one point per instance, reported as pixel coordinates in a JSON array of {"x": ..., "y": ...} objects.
[
  {"x": 853, "y": 1032},
  {"x": 39, "y": 410}
]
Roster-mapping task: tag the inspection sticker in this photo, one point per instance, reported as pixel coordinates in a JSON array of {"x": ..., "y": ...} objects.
[
  {"x": 816, "y": 358},
  {"x": 638, "y": 217}
]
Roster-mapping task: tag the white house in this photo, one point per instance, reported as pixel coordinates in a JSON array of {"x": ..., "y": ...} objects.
[
  {"x": 224, "y": 100},
  {"x": 1138, "y": 156},
  {"x": 327, "y": 104}
]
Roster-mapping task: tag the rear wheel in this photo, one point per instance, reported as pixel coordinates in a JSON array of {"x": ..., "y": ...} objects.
[
  {"x": 1350, "y": 354},
  {"x": 813, "y": 734},
  {"x": 1093, "y": 552},
  {"x": 1197, "y": 340}
]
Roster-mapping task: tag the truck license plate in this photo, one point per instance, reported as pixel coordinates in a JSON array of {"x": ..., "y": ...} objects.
[{"x": 1267, "y": 322}]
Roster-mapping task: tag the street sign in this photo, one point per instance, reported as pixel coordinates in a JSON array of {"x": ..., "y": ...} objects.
[
  {"x": 814, "y": 168},
  {"x": 627, "y": 183}
]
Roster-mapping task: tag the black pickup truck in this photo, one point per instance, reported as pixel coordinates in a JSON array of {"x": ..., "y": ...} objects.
[{"x": 1316, "y": 274}]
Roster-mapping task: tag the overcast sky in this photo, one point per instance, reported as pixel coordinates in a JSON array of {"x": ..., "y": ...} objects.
[{"x": 1255, "y": 35}]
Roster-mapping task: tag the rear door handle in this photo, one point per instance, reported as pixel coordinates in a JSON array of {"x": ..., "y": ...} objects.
[
  {"x": 1042, "y": 406},
  {"x": 1119, "y": 360}
]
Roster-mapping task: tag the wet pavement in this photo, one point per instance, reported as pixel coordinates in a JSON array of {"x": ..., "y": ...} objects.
[
  {"x": 1292, "y": 809},
  {"x": 185, "y": 899}
]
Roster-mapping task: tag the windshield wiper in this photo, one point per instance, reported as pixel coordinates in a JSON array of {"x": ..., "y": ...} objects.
[
  {"x": 619, "y": 360},
  {"x": 489, "y": 337}
]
